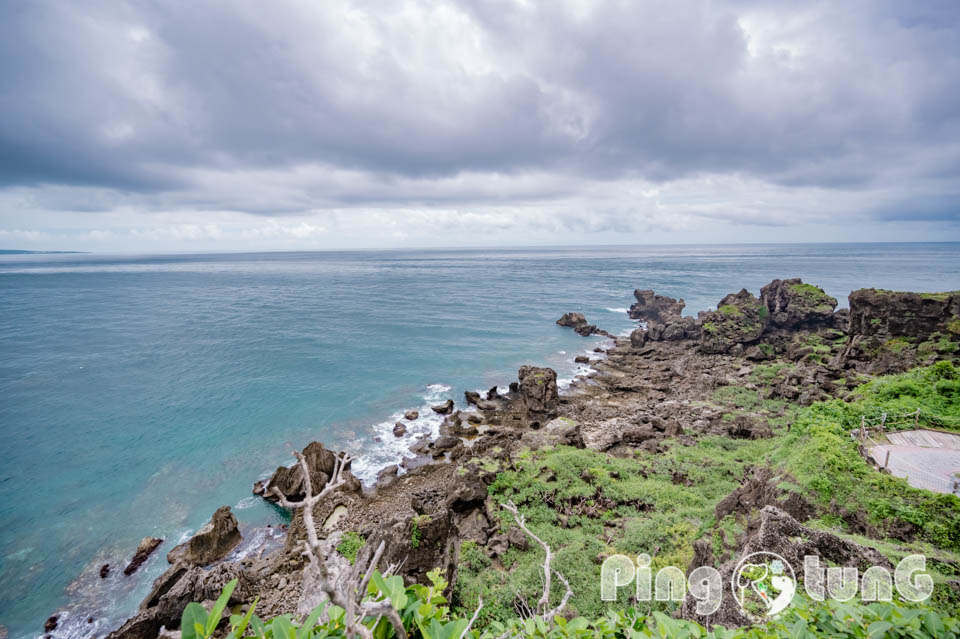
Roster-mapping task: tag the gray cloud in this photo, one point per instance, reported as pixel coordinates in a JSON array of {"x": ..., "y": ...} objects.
[{"x": 291, "y": 108}]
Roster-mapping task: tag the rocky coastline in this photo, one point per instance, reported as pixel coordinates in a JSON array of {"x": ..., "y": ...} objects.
[{"x": 645, "y": 392}]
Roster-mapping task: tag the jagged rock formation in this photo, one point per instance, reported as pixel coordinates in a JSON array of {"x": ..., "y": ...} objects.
[
  {"x": 289, "y": 480},
  {"x": 661, "y": 384},
  {"x": 212, "y": 542},
  {"x": 739, "y": 320},
  {"x": 538, "y": 392},
  {"x": 891, "y": 314},
  {"x": 775, "y": 531},
  {"x": 580, "y": 325},
  {"x": 793, "y": 304},
  {"x": 573, "y": 320},
  {"x": 761, "y": 488},
  {"x": 891, "y": 332},
  {"x": 144, "y": 550},
  {"x": 654, "y": 308}
]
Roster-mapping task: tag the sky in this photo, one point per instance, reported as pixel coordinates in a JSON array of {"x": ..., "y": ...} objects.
[{"x": 306, "y": 124}]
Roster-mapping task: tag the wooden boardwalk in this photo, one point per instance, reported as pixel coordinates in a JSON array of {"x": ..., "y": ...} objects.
[
  {"x": 925, "y": 439},
  {"x": 925, "y": 458}
]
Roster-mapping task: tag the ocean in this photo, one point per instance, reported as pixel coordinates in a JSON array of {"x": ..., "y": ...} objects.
[{"x": 139, "y": 393}]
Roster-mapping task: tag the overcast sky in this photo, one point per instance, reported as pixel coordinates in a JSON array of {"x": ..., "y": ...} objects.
[{"x": 245, "y": 124}]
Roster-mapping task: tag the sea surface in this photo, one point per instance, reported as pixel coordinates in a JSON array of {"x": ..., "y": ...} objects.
[{"x": 139, "y": 393}]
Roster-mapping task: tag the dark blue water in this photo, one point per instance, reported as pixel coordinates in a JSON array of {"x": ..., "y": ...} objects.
[{"x": 137, "y": 394}]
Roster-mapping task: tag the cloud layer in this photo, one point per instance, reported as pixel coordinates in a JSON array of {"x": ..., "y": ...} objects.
[{"x": 305, "y": 123}]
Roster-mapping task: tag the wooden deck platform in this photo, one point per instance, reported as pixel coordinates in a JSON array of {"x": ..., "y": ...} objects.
[
  {"x": 925, "y": 458},
  {"x": 925, "y": 439}
]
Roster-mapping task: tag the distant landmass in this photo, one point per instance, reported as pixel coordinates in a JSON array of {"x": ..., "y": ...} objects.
[{"x": 15, "y": 252}]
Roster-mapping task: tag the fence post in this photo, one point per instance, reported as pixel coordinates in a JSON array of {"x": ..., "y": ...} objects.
[
  {"x": 883, "y": 420},
  {"x": 916, "y": 419},
  {"x": 863, "y": 430},
  {"x": 886, "y": 461}
]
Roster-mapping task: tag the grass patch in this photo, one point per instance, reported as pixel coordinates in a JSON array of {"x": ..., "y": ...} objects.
[{"x": 350, "y": 544}]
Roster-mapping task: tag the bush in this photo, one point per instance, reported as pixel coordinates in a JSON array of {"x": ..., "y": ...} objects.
[{"x": 424, "y": 615}]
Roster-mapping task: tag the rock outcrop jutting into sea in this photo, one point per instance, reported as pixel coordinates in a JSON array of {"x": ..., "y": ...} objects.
[{"x": 652, "y": 388}]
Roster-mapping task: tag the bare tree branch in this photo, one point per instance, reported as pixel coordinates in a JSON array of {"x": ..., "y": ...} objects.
[
  {"x": 346, "y": 588},
  {"x": 476, "y": 613},
  {"x": 544, "y": 601}
]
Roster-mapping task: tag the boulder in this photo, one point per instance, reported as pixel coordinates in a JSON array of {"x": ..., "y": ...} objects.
[
  {"x": 638, "y": 338},
  {"x": 758, "y": 354},
  {"x": 556, "y": 432},
  {"x": 144, "y": 550},
  {"x": 573, "y": 320},
  {"x": 538, "y": 392},
  {"x": 651, "y": 307},
  {"x": 493, "y": 394},
  {"x": 586, "y": 330},
  {"x": 603, "y": 435},
  {"x": 387, "y": 476},
  {"x": 212, "y": 542},
  {"x": 794, "y": 305},
  {"x": 443, "y": 409},
  {"x": 399, "y": 429},
  {"x": 411, "y": 415},
  {"x": 749, "y": 427},
  {"x": 674, "y": 330},
  {"x": 740, "y": 318},
  {"x": 289, "y": 480},
  {"x": 472, "y": 397},
  {"x": 581, "y": 359},
  {"x": 518, "y": 539},
  {"x": 446, "y": 442}
]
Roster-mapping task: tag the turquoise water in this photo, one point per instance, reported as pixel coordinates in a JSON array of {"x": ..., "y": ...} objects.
[{"x": 137, "y": 394}]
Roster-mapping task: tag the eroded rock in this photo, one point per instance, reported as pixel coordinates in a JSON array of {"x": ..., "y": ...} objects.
[
  {"x": 144, "y": 550},
  {"x": 213, "y": 541}
]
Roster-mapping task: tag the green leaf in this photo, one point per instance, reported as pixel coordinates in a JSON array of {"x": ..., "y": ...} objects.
[
  {"x": 283, "y": 628},
  {"x": 258, "y": 628},
  {"x": 932, "y": 623},
  {"x": 240, "y": 627},
  {"x": 218, "y": 607},
  {"x": 193, "y": 615},
  {"x": 878, "y": 628},
  {"x": 308, "y": 624}
]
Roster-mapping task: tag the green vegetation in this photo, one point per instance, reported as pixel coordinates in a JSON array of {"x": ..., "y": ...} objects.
[
  {"x": 954, "y": 326},
  {"x": 425, "y": 615},
  {"x": 823, "y": 457},
  {"x": 938, "y": 344},
  {"x": 587, "y": 504},
  {"x": 730, "y": 310},
  {"x": 709, "y": 327},
  {"x": 350, "y": 544},
  {"x": 768, "y": 373},
  {"x": 416, "y": 535},
  {"x": 814, "y": 296},
  {"x": 897, "y": 344}
]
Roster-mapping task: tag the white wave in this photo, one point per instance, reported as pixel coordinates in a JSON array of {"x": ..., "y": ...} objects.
[
  {"x": 246, "y": 502},
  {"x": 392, "y": 449},
  {"x": 618, "y": 310},
  {"x": 562, "y": 352}
]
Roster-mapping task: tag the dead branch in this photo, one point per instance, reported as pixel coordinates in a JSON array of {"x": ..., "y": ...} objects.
[
  {"x": 544, "y": 601},
  {"x": 476, "y": 613},
  {"x": 344, "y": 588}
]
